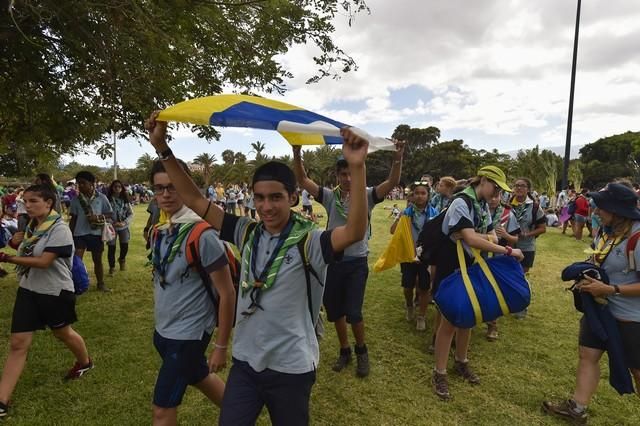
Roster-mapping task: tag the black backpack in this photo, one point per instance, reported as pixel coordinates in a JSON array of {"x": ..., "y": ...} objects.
[{"x": 431, "y": 237}]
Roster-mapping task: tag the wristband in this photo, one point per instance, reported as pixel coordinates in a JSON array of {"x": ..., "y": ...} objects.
[
  {"x": 164, "y": 155},
  {"x": 616, "y": 290},
  {"x": 509, "y": 250},
  {"x": 217, "y": 346}
]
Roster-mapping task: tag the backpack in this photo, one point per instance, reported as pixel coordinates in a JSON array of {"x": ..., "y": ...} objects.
[
  {"x": 431, "y": 237},
  {"x": 5, "y": 236},
  {"x": 79, "y": 275},
  {"x": 193, "y": 260}
]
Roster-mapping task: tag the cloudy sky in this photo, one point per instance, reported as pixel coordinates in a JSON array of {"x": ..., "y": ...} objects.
[{"x": 495, "y": 73}]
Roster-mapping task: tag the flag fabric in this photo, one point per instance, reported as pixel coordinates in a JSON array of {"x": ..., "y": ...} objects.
[
  {"x": 400, "y": 248},
  {"x": 297, "y": 125}
]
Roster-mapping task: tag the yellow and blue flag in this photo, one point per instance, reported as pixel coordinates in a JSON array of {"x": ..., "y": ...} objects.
[{"x": 297, "y": 125}]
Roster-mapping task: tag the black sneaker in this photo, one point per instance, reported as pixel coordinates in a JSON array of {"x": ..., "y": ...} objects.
[
  {"x": 343, "y": 360},
  {"x": 566, "y": 409},
  {"x": 440, "y": 386},
  {"x": 362, "y": 364},
  {"x": 4, "y": 409},
  {"x": 462, "y": 368}
]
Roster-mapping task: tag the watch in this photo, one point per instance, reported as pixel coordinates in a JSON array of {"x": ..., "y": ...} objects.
[{"x": 164, "y": 155}]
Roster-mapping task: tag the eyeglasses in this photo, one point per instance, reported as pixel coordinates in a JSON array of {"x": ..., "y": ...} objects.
[
  {"x": 159, "y": 189},
  {"x": 520, "y": 185}
]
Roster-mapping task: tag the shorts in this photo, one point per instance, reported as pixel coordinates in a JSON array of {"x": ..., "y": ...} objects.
[
  {"x": 629, "y": 334},
  {"x": 579, "y": 218},
  {"x": 344, "y": 289},
  {"x": 92, "y": 243},
  {"x": 183, "y": 363},
  {"x": 307, "y": 209},
  {"x": 529, "y": 257},
  {"x": 415, "y": 271},
  {"x": 34, "y": 311}
]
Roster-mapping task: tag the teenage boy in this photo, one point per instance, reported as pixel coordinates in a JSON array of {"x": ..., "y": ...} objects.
[
  {"x": 89, "y": 211},
  {"x": 185, "y": 314},
  {"x": 346, "y": 280},
  {"x": 275, "y": 350}
]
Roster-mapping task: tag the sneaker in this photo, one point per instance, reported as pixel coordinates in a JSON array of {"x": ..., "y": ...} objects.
[
  {"x": 362, "y": 364},
  {"x": 520, "y": 315},
  {"x": 123, "y": 264},
  {"x": 112, "y": 270},
  {"x": 566, "y": 409},
  {"x": 462, "y": 368},
  {"x": 343, "y": 360},
  {"x": 103, "y": 288},
  {"x": 492, "y": 332},
  {"x": 441, "y": 386},
  {"x": 78, "y": 370},
  {"x": 421, "y": 324},
  {"x": 4, "y": 409},
  {"x": 410, "y": 310}
]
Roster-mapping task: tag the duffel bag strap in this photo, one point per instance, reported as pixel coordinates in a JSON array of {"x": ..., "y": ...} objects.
[
  {"x": 487, "y": 272},
  {"x": 473, "y": 298}
]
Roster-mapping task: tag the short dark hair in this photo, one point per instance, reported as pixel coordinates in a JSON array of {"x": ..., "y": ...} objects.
[
  {"x": 44, "y": 191},
  {"x": 158, "y": 167},
  {"x": 279, "y": 172},
  {"x": 86, "y": 175}
]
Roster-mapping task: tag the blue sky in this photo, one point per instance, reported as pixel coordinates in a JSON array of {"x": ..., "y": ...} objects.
[{"x": 493, "y": 73}]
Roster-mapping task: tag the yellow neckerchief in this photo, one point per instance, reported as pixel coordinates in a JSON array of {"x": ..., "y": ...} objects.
[{"x": 605, "y": 244}]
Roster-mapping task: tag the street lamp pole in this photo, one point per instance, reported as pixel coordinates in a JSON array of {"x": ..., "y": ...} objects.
[{"x": 567, "y": 148}]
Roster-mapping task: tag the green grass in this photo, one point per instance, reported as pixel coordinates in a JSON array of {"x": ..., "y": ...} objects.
[{"x": 533, "y": 360}]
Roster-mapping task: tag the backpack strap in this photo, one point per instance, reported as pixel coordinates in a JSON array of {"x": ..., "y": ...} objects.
[
  {"x": 308, "y": 271},
  {"x": 193, "y": 257},
  {"x": 631, "y": 246}
]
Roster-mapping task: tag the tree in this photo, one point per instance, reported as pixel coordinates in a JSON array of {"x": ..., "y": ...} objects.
[
  {"x": 258, "y": 148},
  {"x": 228, "y": 157},
  {"x": 416, "y": 139},
  {"x": 206, "y": 161},
  {"x": 542, "y": 168},
  {"x": 609, "y": 158},
  {"x": 73, "y": 72}
]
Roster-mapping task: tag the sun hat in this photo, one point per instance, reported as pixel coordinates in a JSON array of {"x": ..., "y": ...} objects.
[
  {"x": 496, "y": 175},
  {"x": 617, "y": 199}
]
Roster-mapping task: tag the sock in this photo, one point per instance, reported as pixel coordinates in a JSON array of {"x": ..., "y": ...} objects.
[
  {"x": 464, "y": 361},
  {"x": 579, "y": 407},
  {"x": 361, "y": 349},
  {"x": 440, "y": 371}
]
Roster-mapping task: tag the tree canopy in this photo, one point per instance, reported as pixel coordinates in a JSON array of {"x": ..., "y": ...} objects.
[{"x": 73, "y": 72}]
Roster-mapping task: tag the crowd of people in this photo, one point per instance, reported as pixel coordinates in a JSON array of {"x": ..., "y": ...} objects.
[{"x": 261, "y": 307}]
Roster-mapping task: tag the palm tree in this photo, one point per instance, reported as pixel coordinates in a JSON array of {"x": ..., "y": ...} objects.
[{"x": 206, "y": 161}]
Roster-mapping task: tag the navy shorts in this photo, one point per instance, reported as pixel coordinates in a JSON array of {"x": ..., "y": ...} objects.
[
  {"x": 344, "y": 289},
  {"x": 91, "y": 243},
  {"x": 629, "y": 334},
  {"x": 34, "y": 311},
  {"x": 529, "y": 257},
  {"x": 183, "y": 363},
  {"x": 415, "y": 272},
  {"x": 247, "y": 391}
]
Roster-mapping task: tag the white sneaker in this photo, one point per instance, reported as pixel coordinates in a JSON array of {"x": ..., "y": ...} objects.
[
  {"x": 409, "y": 313},
  {"x": 421, "y": 324}
]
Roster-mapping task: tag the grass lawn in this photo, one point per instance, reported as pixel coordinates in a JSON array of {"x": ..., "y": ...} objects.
[{"x": 534, "y": 359}]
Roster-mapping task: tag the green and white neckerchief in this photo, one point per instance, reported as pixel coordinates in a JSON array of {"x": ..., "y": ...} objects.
[
  {"x": 337, "y": 199},
  {"x": 32, "y": 234},
  {"x": 519, "y": 208},
  {"x": 496, "y": 217},
  {"x": 297, "y": 228},
  {"x": 480, "y": 211},
  {"x": 175, "y": 237},
  {"x": 85, "y": 203},
  {"x": 121, "y": 209}
]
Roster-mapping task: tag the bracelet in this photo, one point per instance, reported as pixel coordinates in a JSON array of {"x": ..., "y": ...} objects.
[
  {"x": 509, "y": 250},
  {"x": 616, "y": 290},
  {"x": 217, "y": 346},
  {"x": 164, "y": 155}
]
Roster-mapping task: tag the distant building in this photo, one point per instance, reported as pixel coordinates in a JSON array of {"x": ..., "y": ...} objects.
[{"x": 195, "y": 167}]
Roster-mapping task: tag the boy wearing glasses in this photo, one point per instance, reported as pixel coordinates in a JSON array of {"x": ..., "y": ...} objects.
[
  {"x": 185, "y": 314},
  {"x": 346, "y": 280},
  {"x": 275, "y": 350}
]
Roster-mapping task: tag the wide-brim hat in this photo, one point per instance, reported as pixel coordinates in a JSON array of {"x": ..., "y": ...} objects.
[
  {"x": 617, "y": 199},
  {"x": 495, "y": 174}
]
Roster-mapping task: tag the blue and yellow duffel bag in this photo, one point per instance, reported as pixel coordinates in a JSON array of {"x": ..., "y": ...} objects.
[{"x": 483, "y": 292}]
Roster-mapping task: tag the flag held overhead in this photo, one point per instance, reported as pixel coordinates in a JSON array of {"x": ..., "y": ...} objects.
[{"x": 297, "y": 125}]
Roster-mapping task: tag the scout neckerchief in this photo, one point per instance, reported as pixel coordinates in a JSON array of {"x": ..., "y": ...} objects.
[
  {"x": 177, "y": 226},
  {"x": 520, "y": 208},
  {"x": 414, "y": 212},
  {"x": 85, "y": 203},
  {"x": 480, "y": 213},
  {"x": 496, "y": 217},
  {"x": 32, "y": 235},
  {"x": 605, "y": 244},
  {"x": 337, "y": 199},
  {"x": 121, "y": 209},
  {"x": 296, "y": 229}
]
